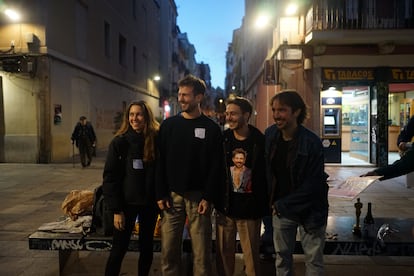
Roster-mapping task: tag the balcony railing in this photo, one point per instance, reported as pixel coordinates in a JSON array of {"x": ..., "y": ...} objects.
[{"x": 352, "y": 15}]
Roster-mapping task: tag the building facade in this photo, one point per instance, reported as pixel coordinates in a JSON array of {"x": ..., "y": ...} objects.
[
  {"x": 350, "y": 60},
  {"x": 71, "y": 58}
]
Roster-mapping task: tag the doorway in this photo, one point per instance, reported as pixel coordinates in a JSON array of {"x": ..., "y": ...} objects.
[{"x": 355, "y": 125}]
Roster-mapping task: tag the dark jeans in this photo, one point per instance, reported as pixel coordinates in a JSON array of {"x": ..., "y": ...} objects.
[
  {"x": 85, "y": 152},
  {"x": 147, "y": 220}
]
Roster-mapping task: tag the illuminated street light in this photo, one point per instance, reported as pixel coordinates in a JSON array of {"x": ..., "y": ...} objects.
[
  {"x": 291, "y": 9},
  {"x": 12, "y": 14},
  {"x": 157, "y": 78},
  {"x": 262, "y": 22}
]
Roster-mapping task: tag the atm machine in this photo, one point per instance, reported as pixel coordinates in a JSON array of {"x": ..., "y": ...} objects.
[{"x": 331, "y": 124}]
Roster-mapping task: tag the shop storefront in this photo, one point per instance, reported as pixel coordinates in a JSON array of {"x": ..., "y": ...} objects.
[{"x": 367, "y": 107}]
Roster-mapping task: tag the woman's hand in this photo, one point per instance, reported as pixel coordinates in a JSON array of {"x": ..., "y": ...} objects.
[
  {"x": 164, "y": 204},
  {"x": 119, "y": 221},
  {"x": 203, "y": 207}
]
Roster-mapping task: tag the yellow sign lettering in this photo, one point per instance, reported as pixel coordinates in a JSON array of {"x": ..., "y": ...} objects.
[
  {"x": 348, "y": 74},
  {"x": 329, "y": 74},
  {"x": 410, "y": 74}
]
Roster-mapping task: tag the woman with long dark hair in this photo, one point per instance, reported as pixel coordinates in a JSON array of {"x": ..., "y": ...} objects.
[{"x": 129, "y": 185}]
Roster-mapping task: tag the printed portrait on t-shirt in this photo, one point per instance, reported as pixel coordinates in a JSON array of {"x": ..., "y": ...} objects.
[{"x": 240, "y": 174}]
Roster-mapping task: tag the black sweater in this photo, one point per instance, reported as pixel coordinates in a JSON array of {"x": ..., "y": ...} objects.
[
  {"x": 190, "y": 157},
  {"x": 126, "y": 178}
]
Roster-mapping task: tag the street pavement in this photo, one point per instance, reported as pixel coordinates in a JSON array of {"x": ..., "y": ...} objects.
[{"x": 31, "y": 194}]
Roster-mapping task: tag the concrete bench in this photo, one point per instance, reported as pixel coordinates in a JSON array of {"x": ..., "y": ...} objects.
[{"x": 340, "y": 241}]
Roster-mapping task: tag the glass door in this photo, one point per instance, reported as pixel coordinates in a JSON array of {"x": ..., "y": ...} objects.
[{"x": 356, "y": 110}]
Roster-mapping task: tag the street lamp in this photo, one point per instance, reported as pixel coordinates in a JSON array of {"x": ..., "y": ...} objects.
[
  {"x": 12, "y": 15},
  {"x": 291, "y": 9},
  {"x": 262, "y": 21}
]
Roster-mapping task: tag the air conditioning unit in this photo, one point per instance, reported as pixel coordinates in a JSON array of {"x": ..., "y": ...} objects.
[{"x": 11, "y": 64}]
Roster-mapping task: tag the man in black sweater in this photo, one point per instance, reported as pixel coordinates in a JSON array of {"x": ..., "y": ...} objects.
[{"x": 189, "y": 174}]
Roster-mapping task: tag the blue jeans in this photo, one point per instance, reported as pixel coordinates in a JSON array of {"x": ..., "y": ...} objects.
[
  {"x": 172, "y": 226},
  {"x": 284, "y": 238}
]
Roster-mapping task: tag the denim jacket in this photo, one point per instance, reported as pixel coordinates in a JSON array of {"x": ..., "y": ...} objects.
[{"x": 307, "y": 202}]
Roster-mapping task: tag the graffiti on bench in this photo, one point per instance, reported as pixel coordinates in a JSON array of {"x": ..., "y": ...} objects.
[
  {"x": 369, "y": 249},
  {"x": 92, "y": 245}
]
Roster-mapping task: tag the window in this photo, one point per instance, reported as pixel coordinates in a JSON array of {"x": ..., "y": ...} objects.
[
  {"x": 134, "y": 9},
  {"x": 134, "y": 59},
  {"x": 107, "y": 39},
  {"x": 122, "y": 50},
  {"x": 81, "y": 23}
]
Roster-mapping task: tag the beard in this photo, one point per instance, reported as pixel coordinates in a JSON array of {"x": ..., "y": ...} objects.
[
  {"x": 188, "y": 108},
  {"x": 235, "y": 125}
]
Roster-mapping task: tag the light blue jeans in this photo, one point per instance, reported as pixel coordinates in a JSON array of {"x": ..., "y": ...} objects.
[
  {"x": 284, "y": 238},
  {"x": 172, "y": 226}
]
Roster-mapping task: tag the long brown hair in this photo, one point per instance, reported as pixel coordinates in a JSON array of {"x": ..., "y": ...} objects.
[{"x": 150, "y": 130}]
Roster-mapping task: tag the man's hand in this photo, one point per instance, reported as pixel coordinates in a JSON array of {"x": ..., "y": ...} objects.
[
  {"x": 402, "y": 146},
  {"x": 119, "y": 221},
  {"x": 203, "y": 207},
  {"x": 275, "y": 212},
  {"x": 164, "y": 204}
]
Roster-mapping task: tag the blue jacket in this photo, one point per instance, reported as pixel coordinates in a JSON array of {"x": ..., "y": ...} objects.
[{"x": 307, "y": 201}]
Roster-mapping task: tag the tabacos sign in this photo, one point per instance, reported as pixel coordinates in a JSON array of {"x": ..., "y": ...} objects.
[
  {"x": 402, "y": 74},
  {"x": 348, "y": 74},
  {"x": 391, "y": 74}
]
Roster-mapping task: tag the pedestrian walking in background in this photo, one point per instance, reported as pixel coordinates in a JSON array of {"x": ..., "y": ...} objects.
[
  {"x": 83, "y": 136},
  {"x": 129, "y": 186},
  {"x": 190, "y": 171},
  {"x": 245, "y": 198},
  {"x": 299, "y": 197}
]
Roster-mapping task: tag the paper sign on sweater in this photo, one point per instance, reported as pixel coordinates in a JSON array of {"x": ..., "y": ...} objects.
[
  {"x": 137, "y": 164},
  {"x": 200, "y": 133}
]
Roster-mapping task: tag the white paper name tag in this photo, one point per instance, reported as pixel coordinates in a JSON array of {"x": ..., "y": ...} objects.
[
  {"x": 200, "y": 133},
  {"x": 137, "y": 164}
]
